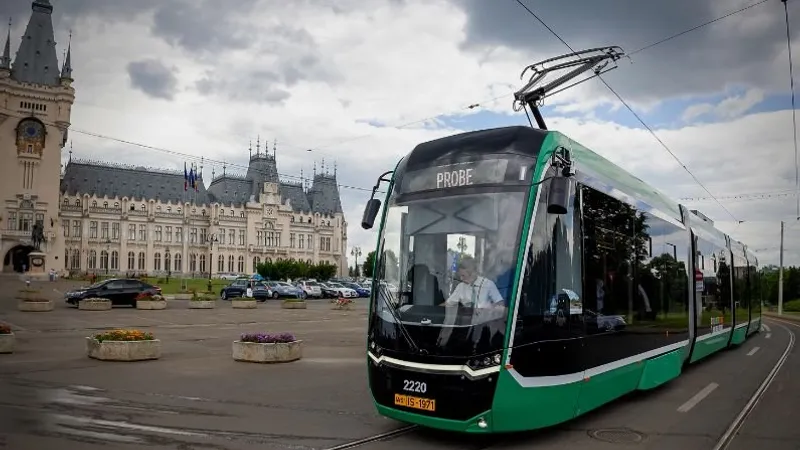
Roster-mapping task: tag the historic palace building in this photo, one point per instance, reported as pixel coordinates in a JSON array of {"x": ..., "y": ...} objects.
[{"x": 109, "y": 218}]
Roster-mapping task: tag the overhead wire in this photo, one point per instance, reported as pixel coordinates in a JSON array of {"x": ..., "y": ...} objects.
[{"x": 619, "y": 97}]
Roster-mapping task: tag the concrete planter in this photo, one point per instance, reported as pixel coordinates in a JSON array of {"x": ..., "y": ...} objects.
[
  {"x": 94, "y": 305},
  {"x": 151, "y": 304},
  {"x": 267, "y": 353},
  {"x": 182, "y": 296},
  {"x": 7, "y": 343},
  {"x": 123, "y": 350},
  {"x": 203, "y": 304},
  {"x": 294, "y": 305},
  {"x": 244, "y": 304},
  {"x": 35, "y": 306}
]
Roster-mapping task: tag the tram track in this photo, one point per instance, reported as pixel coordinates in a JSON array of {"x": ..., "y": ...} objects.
[
  {"x": 738, "y": 422},
  {"x": 375, "y": 438}
]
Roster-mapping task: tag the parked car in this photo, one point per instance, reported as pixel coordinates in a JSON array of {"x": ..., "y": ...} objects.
[
  {"x": 283, "y": 289},
  {"x": 238, "y": 288},
  {"x": 336, "y": 289},
  {"x": 311, "y": 288},
  {"x": 121, "y": 291},
  {"x": 227, "y": 276},
  {"x": 360, "y": 290}
]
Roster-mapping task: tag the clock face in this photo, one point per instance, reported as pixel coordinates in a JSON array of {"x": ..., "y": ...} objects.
[{"x": 30, "y": 129}]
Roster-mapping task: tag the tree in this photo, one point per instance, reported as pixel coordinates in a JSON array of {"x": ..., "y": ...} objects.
[
  {"x": 283, "y": 269},
  {"x": 369, "y": 264}
]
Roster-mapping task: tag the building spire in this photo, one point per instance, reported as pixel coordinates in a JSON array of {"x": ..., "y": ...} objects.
[
  {"x": 66, "y": 70},
  {"x": 36, "y": 61},
  {"x": 275, "y": 148},
  {"x": 258, "y": 145},
  {"x": 5, "y": 60},
  {"x": 335, "y": 167}
]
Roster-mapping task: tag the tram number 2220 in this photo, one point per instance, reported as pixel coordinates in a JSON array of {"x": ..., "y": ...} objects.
[{"x": 415, "y": 386}]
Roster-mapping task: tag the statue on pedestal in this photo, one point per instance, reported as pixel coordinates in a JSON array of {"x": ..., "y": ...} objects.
[{"x": 37, "y": 234}]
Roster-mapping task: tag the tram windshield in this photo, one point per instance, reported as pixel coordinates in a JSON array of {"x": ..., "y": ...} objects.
[{"x": 445, "y": 271}]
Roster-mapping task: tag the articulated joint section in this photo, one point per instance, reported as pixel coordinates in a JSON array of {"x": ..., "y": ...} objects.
[{"x": 440, "y": 369}]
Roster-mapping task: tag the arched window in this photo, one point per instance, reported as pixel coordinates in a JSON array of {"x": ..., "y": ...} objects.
[
  {"x": 141, "y": 261},
  {"x": 169, "y": 209},
  {"x": 66, "y": 201},
  {"x": 104, "y": 260},
  {"x": 221, "y": 264},
  {"x": 203, "y": 212},
  {"x": 193, "y": 262},
  {"x": 77, "y": 202},
  {"x": 76, "y": 259},
  {"x": 144, "y": 208},
  {"x": 179, "y": 210},
  {"x": 167, "y": 262},
  {"x": 178, "y": 266},
  {"x": 242, "y": 214},
  {"x": 94, "y": 203},
  {"x": 105, "y": 205},
  {"x": 92, "y": 260},
  {"x": 202, "y": 263},
  {"x": 256, "y": 262},
  {"x": 131, "y": 261},
  {"x": 230, "y": 263},
  {"x": 157, "y": 261},
  {"x": 241, "y": 264},
  {"x": 116, "y": 204},
  {"x": 114, "y": 260},
  {"x": 292, "y": 219}
]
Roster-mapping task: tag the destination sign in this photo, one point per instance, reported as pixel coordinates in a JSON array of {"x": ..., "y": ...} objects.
[{"x": 455, "y": 175}]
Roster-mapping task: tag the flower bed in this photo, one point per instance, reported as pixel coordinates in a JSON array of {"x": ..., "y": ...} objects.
[
  {"x": 31, "y": 300},
  {"x": 343, "y": 303},
  {"x": 244, "y": 303},
  {"x": 7, "y": 340},
  {"x": 150, "y": 301},
  {"x": 94, "y": 304},
  {"x": 267, "y": 348},
  {"x": 123, "y": 345},
  {"x": 203, "y": 301},
  {"x": 294, "y": 303}
]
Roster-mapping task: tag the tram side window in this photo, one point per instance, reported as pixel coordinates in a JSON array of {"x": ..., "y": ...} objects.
[
  {"x": 741, "y": 290},
  {"x": 609, "y": 227},
  {"x": 713, "y": 294},
  {"x": 755, "y": 290},
  {"x": 551, "y": 299},
  {"x": 664, "y": 278}
]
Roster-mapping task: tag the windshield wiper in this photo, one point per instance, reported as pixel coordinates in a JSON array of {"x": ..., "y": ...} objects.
[{"x": 382, "y": 293}]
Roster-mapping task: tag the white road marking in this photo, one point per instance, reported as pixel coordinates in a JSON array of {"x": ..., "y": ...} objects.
[
  {"x": 697, "y": 398},
  {"x": 766, "y": 327},
  {"x": 753, "y": 351},
  {"x": 126, "y": 425},
  {"x": 769, "y": 335}
]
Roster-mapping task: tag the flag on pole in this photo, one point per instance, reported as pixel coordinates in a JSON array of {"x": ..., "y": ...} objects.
[
  {"x": 191, "y": 176},
  {"x": 185, "y": 177}
]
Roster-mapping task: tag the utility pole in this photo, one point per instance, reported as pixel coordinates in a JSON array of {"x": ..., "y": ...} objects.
[{"x": 780, "y": 278}]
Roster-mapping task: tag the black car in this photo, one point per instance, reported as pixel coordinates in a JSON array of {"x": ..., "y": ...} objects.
[
  {"x": 239, "y": 289},
  {"x": 121, "y": 291}
]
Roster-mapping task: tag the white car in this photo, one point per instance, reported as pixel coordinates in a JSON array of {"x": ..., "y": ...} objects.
[
  {"x": 339, "y": 289},
  {"x": 311, "y": 288}
]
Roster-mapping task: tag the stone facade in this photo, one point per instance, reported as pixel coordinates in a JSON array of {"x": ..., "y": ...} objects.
[{"x": 109, "y": 218}]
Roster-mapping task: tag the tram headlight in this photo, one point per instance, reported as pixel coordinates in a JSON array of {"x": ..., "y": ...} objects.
[
  {"x": 487, "y": 361},
  {"x": 497, "y": 358}
]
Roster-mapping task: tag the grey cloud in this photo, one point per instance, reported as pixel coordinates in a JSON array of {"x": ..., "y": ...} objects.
[
  {"x": 257, "y": 86},
  {"x": 153, "y": 78},
  {"x": 704, "y": 61},
  {"x": 205, "y": 26}
]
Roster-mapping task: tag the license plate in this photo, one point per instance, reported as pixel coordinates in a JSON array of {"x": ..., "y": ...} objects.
[{"x": 408, "y": 401}]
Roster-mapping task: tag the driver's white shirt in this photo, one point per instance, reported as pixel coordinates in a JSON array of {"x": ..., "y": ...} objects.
[{"x": 482, "y": 293}]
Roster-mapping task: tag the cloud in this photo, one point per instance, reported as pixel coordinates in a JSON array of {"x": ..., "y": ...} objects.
[
  {"x": 153, "y": 78},
  {"x": 352, "y": 83},
  {"x": 747, "y": 49}
]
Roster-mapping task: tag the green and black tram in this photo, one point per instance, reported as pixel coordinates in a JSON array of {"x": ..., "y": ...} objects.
[{"x": 522, "y": 280}]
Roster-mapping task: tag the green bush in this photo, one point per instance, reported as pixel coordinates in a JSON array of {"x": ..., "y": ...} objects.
[{"x": 792, "y": 306}]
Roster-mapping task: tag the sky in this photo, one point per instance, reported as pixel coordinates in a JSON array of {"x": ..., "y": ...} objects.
[{"x": 361, "y": 83}]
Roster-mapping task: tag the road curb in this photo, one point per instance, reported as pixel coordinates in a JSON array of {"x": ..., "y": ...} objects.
[{"x": 791, "y": 318}]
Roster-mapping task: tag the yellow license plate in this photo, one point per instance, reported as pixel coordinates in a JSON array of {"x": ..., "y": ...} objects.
[{"x": 408, "y": 401}]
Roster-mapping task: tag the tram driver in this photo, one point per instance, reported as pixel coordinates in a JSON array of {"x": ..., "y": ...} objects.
[{"x": 474, "y": 290}]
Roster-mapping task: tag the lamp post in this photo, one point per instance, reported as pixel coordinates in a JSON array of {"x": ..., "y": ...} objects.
[
  {"x": 356, "y": 251},
  {"x": 108, "y": 254},
  {"x": 211, "y": 239}
]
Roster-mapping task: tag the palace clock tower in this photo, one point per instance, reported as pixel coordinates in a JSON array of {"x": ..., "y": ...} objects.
[{"x": 36, "y": 97}]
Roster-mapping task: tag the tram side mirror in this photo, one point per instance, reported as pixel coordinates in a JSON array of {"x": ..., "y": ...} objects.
[
  {"x": 370, "y": 213},
  {"x": 558, "y": 197}
]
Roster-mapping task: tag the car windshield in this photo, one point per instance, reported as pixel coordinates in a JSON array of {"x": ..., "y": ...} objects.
[{"x": 455, "y": 249}]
